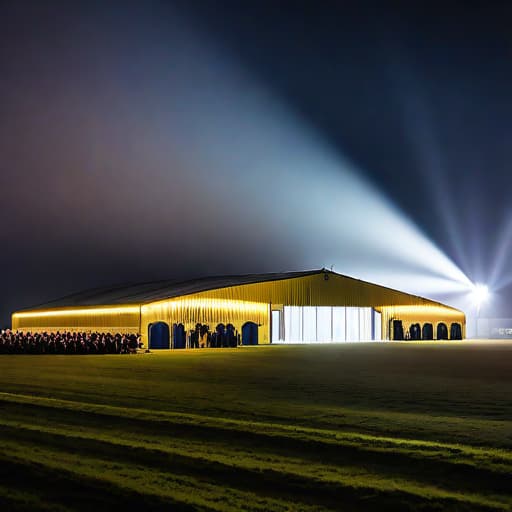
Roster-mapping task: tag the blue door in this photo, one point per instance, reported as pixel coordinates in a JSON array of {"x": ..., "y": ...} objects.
[
  {"x": 442, "y": 331},
  {"x": 250, "y": 333},
  {"x": 158, "y": 335},
  {"x": 455, "y": 331},
  {"x": 179, "y": 336}
]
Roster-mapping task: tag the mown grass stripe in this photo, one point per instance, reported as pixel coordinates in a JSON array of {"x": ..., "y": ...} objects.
[
  {"x": 53, "y": 486},
  {"x": 158, "y": 490},
  {"x": 280, "y": 473},
  {"x": 444, "y": 472},
  {"x": 272, "y": 429}
]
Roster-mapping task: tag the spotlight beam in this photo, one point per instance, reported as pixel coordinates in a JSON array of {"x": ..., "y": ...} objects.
[
  {"x": 429, "y": 156},
  {"x": 296, "y": 192}
]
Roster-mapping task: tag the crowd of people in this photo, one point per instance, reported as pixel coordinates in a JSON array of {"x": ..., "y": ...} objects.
[
  {"x": 222, "y": 337},
  {"x": 68, "y": 343}
]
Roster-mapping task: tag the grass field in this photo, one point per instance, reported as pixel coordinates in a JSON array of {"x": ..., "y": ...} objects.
[{"x": 378, "y": 426}]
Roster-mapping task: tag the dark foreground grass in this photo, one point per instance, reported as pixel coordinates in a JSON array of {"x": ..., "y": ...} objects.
[{"x": 341, "y": 427}]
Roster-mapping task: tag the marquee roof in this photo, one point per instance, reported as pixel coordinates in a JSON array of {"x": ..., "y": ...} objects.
[{"x": 144, "y": 293}]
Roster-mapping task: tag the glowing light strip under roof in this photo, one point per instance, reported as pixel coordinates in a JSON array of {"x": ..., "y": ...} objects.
[{"x": 80, "y": 311}]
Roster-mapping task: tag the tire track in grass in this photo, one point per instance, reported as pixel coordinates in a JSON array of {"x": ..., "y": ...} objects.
[
  {"x": 119, "y": 486},
  {"x": 30, "y": 484},
  {"x": 324, "y": 459},
  {"x": 490, "y": 459},
  {"x": 304, "y": 485}
]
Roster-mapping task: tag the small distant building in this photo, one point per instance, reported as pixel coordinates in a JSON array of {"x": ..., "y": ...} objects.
[
  {"x": 311, "y": 306},
  {"x": 493, "y": 328}
]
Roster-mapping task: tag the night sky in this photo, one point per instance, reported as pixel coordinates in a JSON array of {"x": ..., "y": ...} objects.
[{"x": 149, "y": 140}]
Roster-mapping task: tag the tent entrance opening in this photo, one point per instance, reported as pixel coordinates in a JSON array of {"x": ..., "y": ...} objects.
[{"x": 307, "y": 324}]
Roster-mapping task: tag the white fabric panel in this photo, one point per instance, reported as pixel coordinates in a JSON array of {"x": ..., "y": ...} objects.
[
  {"x": 377, "y": 322},
  {"x": 338, "y": 324},
  {"x": 323, "y": 323},
  {"x": 309, "y": 323},
  {"x": 276, "y": 321},
  {"x": 352, "y": 315},
  {"x": 293, "y": 323},
  {"x": 365, "y": 324}
]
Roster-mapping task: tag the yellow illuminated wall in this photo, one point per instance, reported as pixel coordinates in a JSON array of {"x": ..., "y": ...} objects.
[
  {"x": 196, "y": 308},
  {"x": 242, "y": 303},
  {"x": 315, "y": 290},
  {"x": 421, "y": 314},
  {"x": 105, "y": 319},
  {"x": 225, "y": 304}
]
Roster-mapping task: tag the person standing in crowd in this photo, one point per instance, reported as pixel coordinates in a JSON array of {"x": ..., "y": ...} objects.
[
  {"x": 203, "y": 336},
  {"x": 68, "y": 343}
]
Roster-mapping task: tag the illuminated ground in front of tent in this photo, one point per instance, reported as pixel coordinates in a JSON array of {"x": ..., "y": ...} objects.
[{"x": 370, "y": 426}]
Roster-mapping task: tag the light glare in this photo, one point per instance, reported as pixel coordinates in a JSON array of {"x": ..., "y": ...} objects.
[{"x": 480, "y": 294}]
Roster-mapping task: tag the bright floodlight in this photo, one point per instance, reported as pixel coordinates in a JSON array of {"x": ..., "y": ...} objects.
[{"x": 480, "y": 294}]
